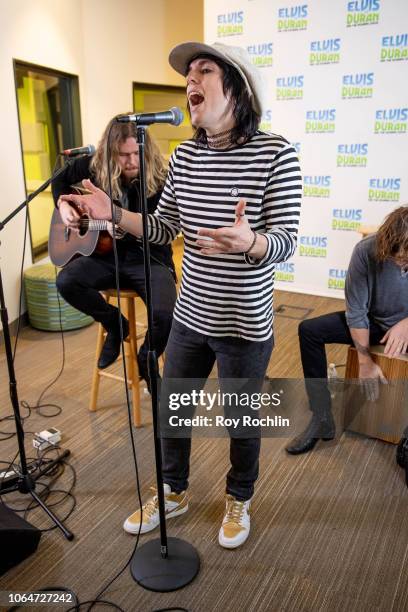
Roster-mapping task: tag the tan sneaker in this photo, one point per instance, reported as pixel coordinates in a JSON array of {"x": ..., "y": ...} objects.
[
  {"x": 235, "y": 526},
  {"x": 175, "y": 504}
]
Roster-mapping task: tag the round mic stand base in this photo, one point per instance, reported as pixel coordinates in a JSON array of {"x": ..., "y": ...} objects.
[{"x": 164, "y": 574}]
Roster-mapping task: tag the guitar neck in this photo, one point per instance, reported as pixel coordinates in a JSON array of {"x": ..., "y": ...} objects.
[
  {"x": 96, "y": 225},
  {"x": 99, "y": 225}
]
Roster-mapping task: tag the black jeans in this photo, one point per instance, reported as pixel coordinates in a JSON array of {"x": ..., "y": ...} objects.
[
  {"x": 314, "y": 334},
  {"x": 190, "y": 354},
  {"x": 81, "y": 280}
]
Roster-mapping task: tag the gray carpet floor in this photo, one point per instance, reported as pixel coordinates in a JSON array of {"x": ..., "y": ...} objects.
[{"x": 329, "y": 529}]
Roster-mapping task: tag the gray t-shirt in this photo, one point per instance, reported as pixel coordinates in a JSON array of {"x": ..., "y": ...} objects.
[{"x": 374, "y": 291}]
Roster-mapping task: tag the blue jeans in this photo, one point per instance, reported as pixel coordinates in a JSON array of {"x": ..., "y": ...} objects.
[{"x": 190, "y": 354}]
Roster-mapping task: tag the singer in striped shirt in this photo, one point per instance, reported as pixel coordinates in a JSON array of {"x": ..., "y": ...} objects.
[
  {"x": 234, "y": 192},
  {"x": 224, "y": 292}
]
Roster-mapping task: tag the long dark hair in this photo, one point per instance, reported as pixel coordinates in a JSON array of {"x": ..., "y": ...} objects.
[
  {"x": 246, "y": 119},
  {"x": 392, "y": 236}
]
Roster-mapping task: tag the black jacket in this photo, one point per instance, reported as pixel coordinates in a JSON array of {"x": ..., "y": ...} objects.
[{"x": 78, "y": 170}]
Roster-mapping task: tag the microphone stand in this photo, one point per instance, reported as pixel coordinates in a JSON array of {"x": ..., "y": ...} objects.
[
  {"x": 25, "y": 483},
  {"x": 164, "y": 564}
]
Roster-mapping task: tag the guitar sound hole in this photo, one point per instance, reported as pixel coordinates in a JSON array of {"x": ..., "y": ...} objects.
[{"x": 83, "y": 226}]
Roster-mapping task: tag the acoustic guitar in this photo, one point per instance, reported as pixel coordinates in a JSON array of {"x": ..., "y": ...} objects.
[{"x": 92, "y": 236}]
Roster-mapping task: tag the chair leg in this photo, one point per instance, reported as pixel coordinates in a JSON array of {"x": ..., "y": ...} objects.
[
  {"x": 96, "y": 375},
  {"x": 133, "y": 365}
]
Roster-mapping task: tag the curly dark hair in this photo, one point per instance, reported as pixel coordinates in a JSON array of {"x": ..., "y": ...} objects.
[
  {"x": 392, "y": 237},
  {"x": 246, "y": 119}
]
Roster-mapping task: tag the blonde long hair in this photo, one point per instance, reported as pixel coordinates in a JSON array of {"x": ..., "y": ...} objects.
[{"x": 155, "y": 166}]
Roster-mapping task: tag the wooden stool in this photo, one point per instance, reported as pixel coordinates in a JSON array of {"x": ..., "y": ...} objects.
[
  {"x": 386, "y": 418},
  {"x": 128, "y": 298}
]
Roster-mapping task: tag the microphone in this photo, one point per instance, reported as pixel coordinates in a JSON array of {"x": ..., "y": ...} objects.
[
  {"x": 174, "y": 116},
  {"x": 88, "y": 150}
]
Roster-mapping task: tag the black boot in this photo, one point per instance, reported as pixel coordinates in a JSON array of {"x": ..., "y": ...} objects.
[
  {"x": 143, "y": 371},
  {"x": 318, "y": 429},
  {"x": 402, "y": 452},
  {"x": 111, "y": 347}
]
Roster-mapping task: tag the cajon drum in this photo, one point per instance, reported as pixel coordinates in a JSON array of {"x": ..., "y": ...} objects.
[{"x": 387, "y": 417}]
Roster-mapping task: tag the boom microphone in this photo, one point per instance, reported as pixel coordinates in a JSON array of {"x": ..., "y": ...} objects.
[
  {"x": 174, "y": 116},
  {"x": 88, "y": 150}
]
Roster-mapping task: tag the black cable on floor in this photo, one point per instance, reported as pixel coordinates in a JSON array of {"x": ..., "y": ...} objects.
[
  {"x": 104, "y": 602},
  {"x": 47, "y": 490},
  {"x": 177, "y": 608}
]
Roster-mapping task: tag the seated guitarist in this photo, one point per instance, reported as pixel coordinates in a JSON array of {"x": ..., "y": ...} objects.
[{"x": 83, "y": 278}]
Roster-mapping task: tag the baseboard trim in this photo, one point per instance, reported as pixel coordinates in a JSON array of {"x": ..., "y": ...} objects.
[{"x": 13, "y": 326}]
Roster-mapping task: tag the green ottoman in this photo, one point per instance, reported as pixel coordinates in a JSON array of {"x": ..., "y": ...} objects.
[{"x": 42, "y": 302}]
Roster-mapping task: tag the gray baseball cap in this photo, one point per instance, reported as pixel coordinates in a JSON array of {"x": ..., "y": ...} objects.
[{"x": 238, "y": 57}]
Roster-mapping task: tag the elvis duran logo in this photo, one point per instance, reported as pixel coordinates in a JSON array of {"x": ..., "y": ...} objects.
[
  {"x": 362, "y": 12},
  {"x": 292, "y": 18},
  {"x": 316, "y": 186},
  {"x": 261, "y": 54},
  {"x": 384, "y": 189},
  {"x": 391, "y": 121},
  {"x": 230, "y": 24},
  {"x": 313, "y": 246},
  {"x": 285, "y": 272},
  {"x": 394, "y": 48},
  {"x": 320, "y": 121},
  {"x": 289, "y": 87},
  {"x": 337, "y": 278},
  {"x": 352, "y": 155},
  {"x": 266, "y": 121},
  {"x": 347, "y": 219},
  {"x": 324, "y": 51},
  {"x": 357, "y": 85}
]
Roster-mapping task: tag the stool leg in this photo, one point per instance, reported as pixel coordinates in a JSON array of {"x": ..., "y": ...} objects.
[
  {"x": 96, "y": 373},
  {"x": 132, "y": 364}
]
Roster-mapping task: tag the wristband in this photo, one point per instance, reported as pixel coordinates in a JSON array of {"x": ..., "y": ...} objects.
[
  {"x": 252, "y": 244},
  {"x": 117, "y": 214}
]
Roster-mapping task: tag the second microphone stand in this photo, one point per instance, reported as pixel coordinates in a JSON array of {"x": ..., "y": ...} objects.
[{"x": 164, "y": 564}]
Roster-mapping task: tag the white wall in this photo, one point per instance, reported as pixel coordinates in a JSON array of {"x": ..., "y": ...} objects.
[
  {"x": 137, "y": 50},
  {"x": 108, "y": 44}
]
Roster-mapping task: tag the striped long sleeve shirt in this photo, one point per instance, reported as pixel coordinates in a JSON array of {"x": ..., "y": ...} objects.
[{"x": 230, "y": 294}]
